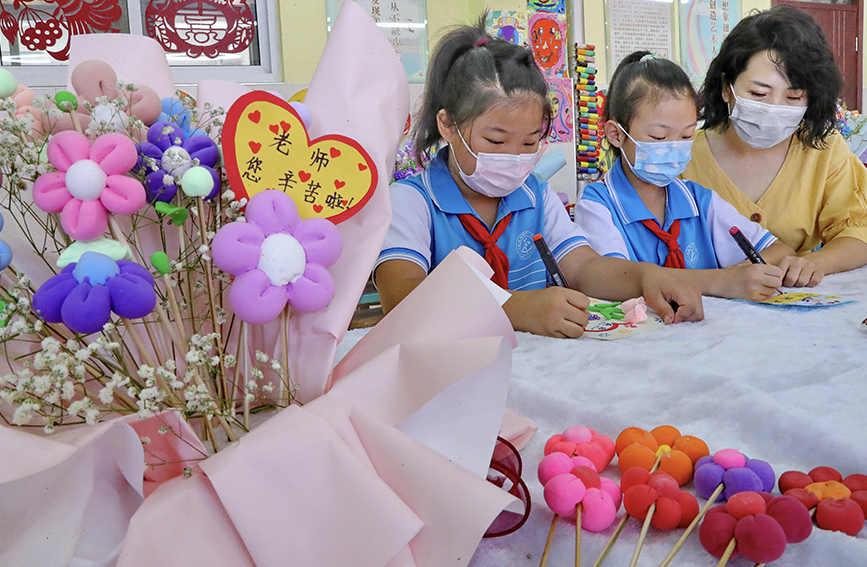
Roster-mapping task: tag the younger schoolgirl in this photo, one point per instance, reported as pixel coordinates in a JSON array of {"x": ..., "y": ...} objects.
[
  {"x": 642, "y": 211},
  {"x": 488, "y": 102}
]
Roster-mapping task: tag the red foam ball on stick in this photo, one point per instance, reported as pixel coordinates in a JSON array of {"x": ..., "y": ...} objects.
[
  {"x": 824, "y": 474},
  {"x": 760, "y": 538},
  {"x": 689, "y": 508},
  {"x": 664, "y": 484},
  {"x": 667, "y": 513},
  {"x": 843, "y": 515},
  {"x": 606, "y": 444},
  {"x": 593, "y": 452},
  {"x": 716, "y": 532},
  {"x": 792, "y": 516},
  {"x": 638, "y": 499},
  {"x": 860, "y": 497},
  {"x": 793, "y": 479},
  {"x": 746, "y": 504},
  {"x": 804, "y": 496},
  {"x": 553, "y": 440},
  {"x": 633, "y": 476},
  {"x": 855, "y": 482}
]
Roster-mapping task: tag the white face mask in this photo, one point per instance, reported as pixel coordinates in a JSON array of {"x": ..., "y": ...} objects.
[
  {"x": 498, "y": 175},
  {"x": 764, "y": 125}
]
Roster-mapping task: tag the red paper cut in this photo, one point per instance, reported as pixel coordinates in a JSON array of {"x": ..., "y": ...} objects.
[{"x": 200, "y": 27}]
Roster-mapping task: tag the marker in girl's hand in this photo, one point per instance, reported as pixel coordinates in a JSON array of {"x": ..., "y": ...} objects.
[
  {"x": 746, "y": 246},
  {"x": 551, "y": 266}
]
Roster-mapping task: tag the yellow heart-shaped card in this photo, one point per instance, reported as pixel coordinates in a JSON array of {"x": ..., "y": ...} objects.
[{"x": 266, "y": 146}]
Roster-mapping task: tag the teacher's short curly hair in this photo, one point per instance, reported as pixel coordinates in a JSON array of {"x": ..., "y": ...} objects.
[{"x": 802, "y": 55}]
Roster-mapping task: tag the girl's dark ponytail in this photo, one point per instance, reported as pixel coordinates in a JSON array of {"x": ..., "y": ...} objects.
[{"x": 469, "y": 72}]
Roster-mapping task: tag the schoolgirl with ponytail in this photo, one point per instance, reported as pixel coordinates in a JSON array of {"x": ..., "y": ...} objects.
[
  {"x": 642, "y": 211},
  {"x": 486, "y": 113}
]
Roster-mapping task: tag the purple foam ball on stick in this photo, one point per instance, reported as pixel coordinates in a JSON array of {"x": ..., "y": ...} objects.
[
  {"x": 740, "y": 479},
  {"x": 764, "y": 471},
  {"x": 707, "y": 478},
  {"x": 703, "y": 461}
]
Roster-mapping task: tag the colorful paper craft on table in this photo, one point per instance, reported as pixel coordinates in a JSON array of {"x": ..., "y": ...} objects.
[
  {"x": 548, "y": 40},
  {"x": 562, "y": 126},
  {"x": 555, "y": 6},
  {"x": 507, "y": 25},
  {"x": 266, "y": 146},
  {"x": 604, "y": 323},
  {"x": 798, "y": 299}
]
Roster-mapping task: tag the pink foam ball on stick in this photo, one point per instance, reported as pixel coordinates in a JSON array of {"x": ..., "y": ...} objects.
[
  {"x": 729, "y": 458},
  {"x": 553, "y": 465},
  {"x": 563, "y": 493},
  {"x": 583, "y": 462},
  {"x": 578, "y": 434},
  {"x": 606, "y": 444},
  {"x": 593, "y": 452},
  {"x": 609, "y": 486},
  {"x": 567, "y": 447},
  {"x": 597, "y": 510}
]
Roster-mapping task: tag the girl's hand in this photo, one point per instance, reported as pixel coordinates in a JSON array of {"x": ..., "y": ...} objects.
[
  {"x": 800, "y": 272},
  {"x": 552, "y": 312},
  {"x": 755, "y": 282},
  {"x": 673, "y": 300}
]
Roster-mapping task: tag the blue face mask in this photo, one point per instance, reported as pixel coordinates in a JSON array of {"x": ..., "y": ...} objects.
[{"x": 659, "y": 163}]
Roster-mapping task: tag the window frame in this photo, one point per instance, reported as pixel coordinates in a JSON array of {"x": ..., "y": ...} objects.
[{"x": 268, "y": 71}]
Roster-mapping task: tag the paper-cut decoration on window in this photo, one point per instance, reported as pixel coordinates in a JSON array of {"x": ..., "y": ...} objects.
[
  {"x": 200, "y": 27},
  {"x": 548, "y": 40},
  {"x": 509, "y": 26},
  {"x": 562, "y": 126},
  {"x": 556, "y": 6},
  {"x": 38, "y": 30},
  {"x": 266, "y": 146}
]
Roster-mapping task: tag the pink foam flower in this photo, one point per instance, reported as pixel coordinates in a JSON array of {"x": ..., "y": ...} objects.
[
  {"x": 277, "y": 258},
  {"x": 89, "y": 182}
]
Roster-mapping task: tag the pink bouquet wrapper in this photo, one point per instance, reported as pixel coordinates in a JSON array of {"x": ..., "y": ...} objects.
[
  {"x": 361, "y": 93},
  {"x": 386, "y": 469}
]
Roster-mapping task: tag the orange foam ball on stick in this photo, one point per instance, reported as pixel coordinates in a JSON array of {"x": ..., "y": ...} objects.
[
  {"x": 665, "y": 434},
  {"x": 694, "y": 447},
  {"x": 632, "y": 435},
  {"x": 636, "y": 455},
  {"x": 829, "y": 489},
  {"x": 678, "y": 464}
]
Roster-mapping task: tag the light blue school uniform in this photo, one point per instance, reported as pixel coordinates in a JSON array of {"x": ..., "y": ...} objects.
[
  {"x": 610, "y": 214},
  {"x": 425, "y": 226}
]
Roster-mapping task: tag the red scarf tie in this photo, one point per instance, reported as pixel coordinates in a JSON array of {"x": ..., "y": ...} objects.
[
  {"x": 675, "y": 256},
  {"x": 494, "y": 256}
]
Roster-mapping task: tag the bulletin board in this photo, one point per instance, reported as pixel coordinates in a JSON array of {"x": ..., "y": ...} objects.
[
  {"x": 404, "y": 23},
  {"x": 636, "y": 25}
]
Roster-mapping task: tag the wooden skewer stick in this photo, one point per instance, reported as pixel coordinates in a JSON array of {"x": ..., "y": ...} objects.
[
  {"x": 610, "y": 543},
  {"x": 550, "y": 539},
  {"x": 644, "y": 528},
  {"x": 578, "y": 535},
  {"x": 728, "y": 553},
  {"x": 701, "y": 513}
]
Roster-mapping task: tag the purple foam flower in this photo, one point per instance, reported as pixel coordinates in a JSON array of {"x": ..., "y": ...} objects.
[
  {"x": 85, "y": 293},
  {"x": 174, "y": 153},
  {"x": 277, "y": 258}
]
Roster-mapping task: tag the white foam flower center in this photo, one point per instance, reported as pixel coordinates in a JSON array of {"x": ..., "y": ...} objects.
[
  {"x": 283, "y": 259},
  {"x": 176, "y": 160},
  {"x": 85, "y": 180},
  {"x": 109, "y": 115}
]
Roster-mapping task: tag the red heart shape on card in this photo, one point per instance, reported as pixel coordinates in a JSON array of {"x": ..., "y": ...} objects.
[{"x": 301, "y": 167}]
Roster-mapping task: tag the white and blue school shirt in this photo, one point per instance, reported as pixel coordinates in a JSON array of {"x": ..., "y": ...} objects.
[
  {"x": 610, "y": 214},
  {"x": 425, "y": 226}
]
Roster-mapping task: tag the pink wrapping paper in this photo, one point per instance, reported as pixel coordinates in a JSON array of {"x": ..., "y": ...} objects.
[
  {"x": 362, "y": 93},
  {"x": 351, "y": 478}
]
